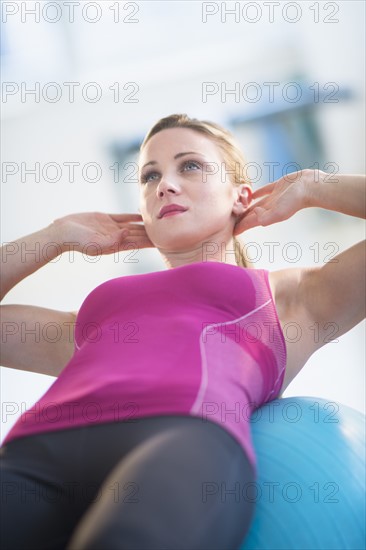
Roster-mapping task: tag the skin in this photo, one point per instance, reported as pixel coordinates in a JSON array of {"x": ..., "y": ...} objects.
[{"x": 205, "y": 231}]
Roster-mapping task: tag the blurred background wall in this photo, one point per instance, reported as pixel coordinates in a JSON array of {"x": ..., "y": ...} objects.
[{"x": 82, "y": 82}]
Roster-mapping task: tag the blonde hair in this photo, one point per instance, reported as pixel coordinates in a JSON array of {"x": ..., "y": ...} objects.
[{"x": 232, "y": 154}]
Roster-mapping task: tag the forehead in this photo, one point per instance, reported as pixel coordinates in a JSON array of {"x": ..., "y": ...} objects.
[{"x": 167, "y": 143}]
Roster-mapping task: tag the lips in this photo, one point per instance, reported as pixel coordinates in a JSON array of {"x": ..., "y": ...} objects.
[{"x": 171, "y": 208}]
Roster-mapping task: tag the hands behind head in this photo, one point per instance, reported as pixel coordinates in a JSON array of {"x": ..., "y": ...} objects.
[
  {"x": 281, "y": 200},
  {"x": 96, "y": 233}
]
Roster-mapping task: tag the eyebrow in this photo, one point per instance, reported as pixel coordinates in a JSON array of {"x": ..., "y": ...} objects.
[{"x": 178, "y": 155}]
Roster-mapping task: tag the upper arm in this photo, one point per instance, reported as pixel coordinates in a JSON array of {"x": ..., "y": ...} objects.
[
  {"x": 318, "y": 304},
  {"x": 298, "y": 327},
  {"x": 334, "y": 293},
  {"x": 36, "y": 339}
]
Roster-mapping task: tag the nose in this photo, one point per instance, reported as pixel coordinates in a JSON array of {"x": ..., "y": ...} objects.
[{"x": 166, "y": 187}]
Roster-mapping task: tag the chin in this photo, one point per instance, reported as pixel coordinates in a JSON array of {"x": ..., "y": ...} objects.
[
  {"x": 176, "y": 243},
  {"x": 177, "y": 239}
]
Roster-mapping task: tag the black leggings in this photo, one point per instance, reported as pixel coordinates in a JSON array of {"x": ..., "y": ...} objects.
[{"x": 164, "y": 482}]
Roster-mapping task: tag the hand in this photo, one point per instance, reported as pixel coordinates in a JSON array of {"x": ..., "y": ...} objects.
[
  {"x": 108, "y": 232},
  {"x": 282, "y": 199}
]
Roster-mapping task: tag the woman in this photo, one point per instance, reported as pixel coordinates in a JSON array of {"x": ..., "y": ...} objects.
[{"x": 143, "y": 440}]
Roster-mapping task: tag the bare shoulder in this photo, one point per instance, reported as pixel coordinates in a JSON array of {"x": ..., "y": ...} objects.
[{"x": 299, "y": 330}]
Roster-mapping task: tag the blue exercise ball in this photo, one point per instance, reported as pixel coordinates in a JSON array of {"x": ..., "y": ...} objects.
[{"x": 310, "y": 489}]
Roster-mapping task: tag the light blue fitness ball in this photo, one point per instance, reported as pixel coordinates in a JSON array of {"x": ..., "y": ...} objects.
[{"x": 310, "y": 489}]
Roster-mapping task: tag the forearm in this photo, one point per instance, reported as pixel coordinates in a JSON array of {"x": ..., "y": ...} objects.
[
  {"x": 24, "y": 256},
  {"x": 344, "y": 193}
]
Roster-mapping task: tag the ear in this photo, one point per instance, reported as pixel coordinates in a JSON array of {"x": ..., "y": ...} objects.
[{"x": 243, "y": 198}]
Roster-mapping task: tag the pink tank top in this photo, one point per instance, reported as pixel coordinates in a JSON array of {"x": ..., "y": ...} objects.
[{"x": 201, "y": 339}]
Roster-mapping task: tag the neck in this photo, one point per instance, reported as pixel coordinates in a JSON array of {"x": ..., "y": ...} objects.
[{"x": 208, "y": 251}]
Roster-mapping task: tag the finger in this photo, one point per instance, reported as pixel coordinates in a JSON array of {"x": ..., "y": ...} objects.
[
  {"x": 113, "y": 238},
  {"x": 131, "y": 225},
  {"x": 133, "y": 228},
  {"x": 264, "y": 190},
  {"x": 125, "y": 217},
  {"x": 250, "y": 221},
  {"x": 260, "y": 203},
  {"x": 136, "y": 231},
  {"x": 262, "y": 214},
  {"x": 136, "y": 242},
  {"x": 138, "y": 236}
]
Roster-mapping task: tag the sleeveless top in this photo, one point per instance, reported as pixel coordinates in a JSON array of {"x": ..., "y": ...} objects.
[{"x": 201, "y": 339}]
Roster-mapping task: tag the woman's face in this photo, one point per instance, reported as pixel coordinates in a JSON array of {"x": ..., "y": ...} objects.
[{"x": 177, "y": 173}]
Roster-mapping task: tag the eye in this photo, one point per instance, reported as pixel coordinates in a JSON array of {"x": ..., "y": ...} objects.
[
  {"x": 146, "y": 177},
  {"x": 190, "y": 162}
]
